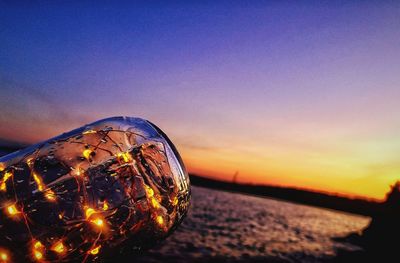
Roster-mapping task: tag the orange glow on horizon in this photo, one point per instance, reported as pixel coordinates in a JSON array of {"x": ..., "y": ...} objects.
[
  {"x": 322, "y": 156},
  {"x": 286, "y": 171}
]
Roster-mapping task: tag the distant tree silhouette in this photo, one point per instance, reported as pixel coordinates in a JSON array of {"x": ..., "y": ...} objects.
[
  {"x": 381, "y": 235},
  {"x": 393, "y": 197},
  {"x": 380, "y": 238}
]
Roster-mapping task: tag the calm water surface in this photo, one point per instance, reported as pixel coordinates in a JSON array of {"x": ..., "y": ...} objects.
[{"x": 230, "y": 227}]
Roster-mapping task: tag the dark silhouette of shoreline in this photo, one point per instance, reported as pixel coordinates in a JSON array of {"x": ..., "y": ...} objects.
[
  {"x": 7, "y": 146},
  {"x": 379, "y": 238},
  {"x": 351, "y": 205}
]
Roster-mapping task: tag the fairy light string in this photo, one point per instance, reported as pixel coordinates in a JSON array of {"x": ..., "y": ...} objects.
[{"x": 89, "y": 217}]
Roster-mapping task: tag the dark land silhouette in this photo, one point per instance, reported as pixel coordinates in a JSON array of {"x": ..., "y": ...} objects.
[
  {"x": 7, "y": 146},
  {"x": 351, "y": 205},
  {"x": 380, "y": 239}
]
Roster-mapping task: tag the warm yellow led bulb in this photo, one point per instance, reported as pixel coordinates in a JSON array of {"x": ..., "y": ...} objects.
[
  {"x": 3, "y": 186},
  {"x": 58, "y": 247},
  {"x": 89, "y": 211},
  {"x": 12, "y": 210},
  {"x": 86, "y": 153},
  {"x": 124, "y": 156},
  {"x": 155, "y": 203},
  {"x": 3, "y": 256},
  {"x": 38, "y": 255},
  {"x": 149, "y": 191},
  {"x": 175, "y": 201},
  {"x": 38, "y": 181},
  {"x": 95, "y": 250},
  {"x": 50, "y": 195},
  {"x": 160, "y": 220},
  {"x": 98, "y": 222},
  {"x": 105, "y": 206},
  {"x": 38, "y": 245}
]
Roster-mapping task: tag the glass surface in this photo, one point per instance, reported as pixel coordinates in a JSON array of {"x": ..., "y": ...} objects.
[{"x": 106, "y": 189}]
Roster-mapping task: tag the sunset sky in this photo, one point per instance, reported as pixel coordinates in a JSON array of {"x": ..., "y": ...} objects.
[{"x": 304, "y": 95}]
